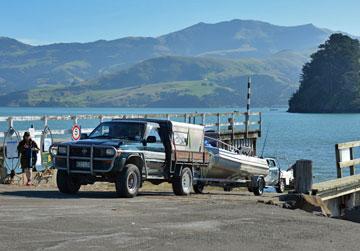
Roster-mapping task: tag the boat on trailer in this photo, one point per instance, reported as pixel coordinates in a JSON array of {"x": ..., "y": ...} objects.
[{"x": 231, "y": 167}]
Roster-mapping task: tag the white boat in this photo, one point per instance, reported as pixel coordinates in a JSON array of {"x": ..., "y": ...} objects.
[{"x": 233, "y": 165}]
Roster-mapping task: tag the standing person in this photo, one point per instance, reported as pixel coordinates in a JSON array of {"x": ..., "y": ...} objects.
[{"x": 28, "y": 150}]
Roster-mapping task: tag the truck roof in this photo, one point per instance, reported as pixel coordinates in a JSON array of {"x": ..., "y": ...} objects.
[{"x": 161, "y": 122}]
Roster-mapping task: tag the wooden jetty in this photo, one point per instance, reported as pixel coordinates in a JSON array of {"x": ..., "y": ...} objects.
[{"x": 342, "y": 193}]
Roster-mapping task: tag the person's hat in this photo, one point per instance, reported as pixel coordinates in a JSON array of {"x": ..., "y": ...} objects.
[{"x": 26, "y": 134}]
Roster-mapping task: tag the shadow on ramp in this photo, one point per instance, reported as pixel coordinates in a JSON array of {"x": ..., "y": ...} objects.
[
  {"x": 58, "y": 195},
  {"x": 82, "y": 194}
]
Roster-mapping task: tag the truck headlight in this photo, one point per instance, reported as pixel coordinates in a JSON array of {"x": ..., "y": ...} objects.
[
  {"x": 110, "y": 152},
  {"x": 62, "y": 150},
  {"x": 53, "y": 151}
]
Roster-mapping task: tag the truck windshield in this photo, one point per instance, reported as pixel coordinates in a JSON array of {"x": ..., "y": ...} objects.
[{"x": 119, "y": 130}]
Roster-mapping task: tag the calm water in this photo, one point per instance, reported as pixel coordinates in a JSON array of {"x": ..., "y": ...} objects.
[{"x": 290, "y": 136}]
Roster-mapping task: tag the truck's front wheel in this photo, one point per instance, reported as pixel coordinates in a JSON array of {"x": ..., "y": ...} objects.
[
  {"x": 67, "y": 183},
  {"x": 182, "y": 184},
  {"x": 128, "y": 182}
]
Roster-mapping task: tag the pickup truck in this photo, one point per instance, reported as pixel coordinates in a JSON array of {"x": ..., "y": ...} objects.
[
  {"x": 128, "y": 152},
  {"x": 278, "y": 178}
]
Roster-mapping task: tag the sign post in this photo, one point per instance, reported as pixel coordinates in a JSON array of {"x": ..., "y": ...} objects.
[{"x": 75, "y": 132}]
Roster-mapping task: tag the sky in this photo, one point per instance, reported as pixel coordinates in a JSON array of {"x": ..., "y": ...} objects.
[{"x": 49, "y": 21}]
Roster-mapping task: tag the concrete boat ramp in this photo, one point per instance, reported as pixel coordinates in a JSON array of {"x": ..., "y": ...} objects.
[{"x": 43, "y": 219}]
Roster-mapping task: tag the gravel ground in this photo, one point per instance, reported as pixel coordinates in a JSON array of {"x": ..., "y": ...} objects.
[{"x": 43, "y": 219}]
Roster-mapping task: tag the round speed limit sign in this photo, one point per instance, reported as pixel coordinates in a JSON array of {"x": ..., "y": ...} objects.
[{"x": 75, "y": 132}]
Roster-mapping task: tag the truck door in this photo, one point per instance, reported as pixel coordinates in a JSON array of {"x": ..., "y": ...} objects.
[
  {"x": 273, "y": 177},
  {"x": 154, "y": 153}
]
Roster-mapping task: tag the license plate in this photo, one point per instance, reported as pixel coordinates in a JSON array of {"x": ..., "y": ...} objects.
[{"x": 82, "y": 164}]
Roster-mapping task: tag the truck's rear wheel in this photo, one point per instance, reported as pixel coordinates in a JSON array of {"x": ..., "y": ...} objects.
[
  {"x": 128, "y": 182},
  {"x": 67, "y": 183},
  {"x": 258, "y": 187},
  {"x": 182, "y": 185},
  {"x": 198, "y": 187}
]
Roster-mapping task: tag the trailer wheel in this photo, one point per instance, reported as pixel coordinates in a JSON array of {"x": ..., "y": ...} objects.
[
  {"x": 258, "y": 188},
  {"x": 199, "y": 187},
  {"x": 281, "y": 186},
  {"x": 182, "y": 184},
  {"x": 128, "y": 182},
  {"x": 67, "y": 183},
  {"x": 250, "y": 189}
]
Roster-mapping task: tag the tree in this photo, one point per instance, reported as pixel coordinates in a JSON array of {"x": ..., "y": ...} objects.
[{"x": 330, "y": 82}]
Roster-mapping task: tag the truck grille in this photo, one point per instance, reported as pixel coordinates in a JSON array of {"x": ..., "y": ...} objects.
[
  {"x": 80, "y": 151},
  {"x": 79, "y": 159}
]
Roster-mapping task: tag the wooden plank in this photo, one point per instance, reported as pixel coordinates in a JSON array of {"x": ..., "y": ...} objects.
[
  {"x": 349, "y": 163},
  {"x": 348, "y": 145},
  {"x": 185, "y": 156},
  {"x": 336, "y": 183},
  {"x": 338, "y": 187}
]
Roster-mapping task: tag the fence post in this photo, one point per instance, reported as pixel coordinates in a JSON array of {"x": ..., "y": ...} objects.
[
  {"x": 337, "y": 156},
  {"x": 203, "y": 119},
  {"x": 10, "y": 122},
  {"x": 75, "y": 120},
  {"x": 303, "y": 176}
]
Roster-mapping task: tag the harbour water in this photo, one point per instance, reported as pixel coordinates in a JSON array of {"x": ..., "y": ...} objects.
[{"x": 290, "y": 136}]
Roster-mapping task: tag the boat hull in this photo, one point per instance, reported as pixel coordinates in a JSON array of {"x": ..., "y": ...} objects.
[{"x": 232, "y": 166}]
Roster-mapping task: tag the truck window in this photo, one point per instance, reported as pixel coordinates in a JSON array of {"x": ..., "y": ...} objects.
[
  {"x": 155, "y": 132},
  {"x": 119, "y": 130},
  {"x": 271, "y": 163}
]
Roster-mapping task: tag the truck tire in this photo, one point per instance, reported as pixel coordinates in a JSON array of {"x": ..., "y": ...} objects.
[
  {"x": 281, "y": 186},
  {"x": 258, "y": 188},
  {"x": 199, "y": 187},
  {"x": 182, "y": 185},
  {"x": 66, "y": 183},
  {"x": 128, "y": 182}
]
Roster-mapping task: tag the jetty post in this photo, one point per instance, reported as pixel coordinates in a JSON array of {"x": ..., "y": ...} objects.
[
  {"x": 247, "y": 118},
  {"x": 303, "y": 176}
]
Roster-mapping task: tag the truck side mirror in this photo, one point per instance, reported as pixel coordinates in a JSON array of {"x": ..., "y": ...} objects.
[
  {"x": 151, "y": 139},
  {"x": 84, "y": 136}
]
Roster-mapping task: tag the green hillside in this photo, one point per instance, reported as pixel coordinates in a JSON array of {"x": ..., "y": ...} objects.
[{"x": 169, "y": 81}]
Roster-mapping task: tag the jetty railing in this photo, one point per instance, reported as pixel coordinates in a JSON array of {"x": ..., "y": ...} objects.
[
  {"x": 344, "y": 153},
  {"x": 230, "y": 121},
  {"x": 235, "y": 128}
]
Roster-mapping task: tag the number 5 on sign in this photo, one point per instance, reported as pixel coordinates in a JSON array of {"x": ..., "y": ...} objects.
[{"x": 75, "y": 132}]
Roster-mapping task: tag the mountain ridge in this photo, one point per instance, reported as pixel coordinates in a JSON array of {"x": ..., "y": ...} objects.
[{"x": 283, "y": 49}]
